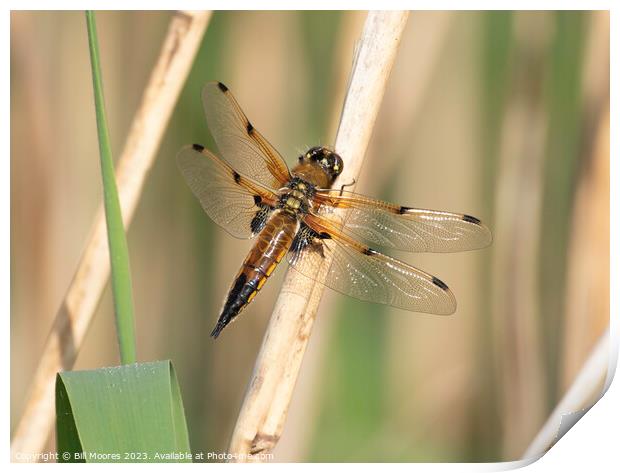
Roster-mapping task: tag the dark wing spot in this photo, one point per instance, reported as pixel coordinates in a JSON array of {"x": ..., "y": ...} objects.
[
  {"x": 256, "y": 224},
  {"x": 440, "y": 283},
  {"x": 198, "y": 148},
  {"x": 300, "y": 242},
  {"x": 249, "y": 128},
  {"x": 369, "y": 252},
  {"x": 260, "y": 219},
  {"x": 222, "y": 87},
  {"x": 236, "y": 177},
  {"x": 403, "y": 210},
  {"x": 257, "y": 199},
  {"x": 305, "y": 237},
  {"x": 325, "y": 236},
  {"x": 470, "y": 219}
]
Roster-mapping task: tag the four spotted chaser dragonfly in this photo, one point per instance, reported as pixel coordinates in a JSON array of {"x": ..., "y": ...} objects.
[{"x": 251, "y": 193}]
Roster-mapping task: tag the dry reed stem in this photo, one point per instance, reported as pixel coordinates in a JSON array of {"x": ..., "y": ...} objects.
[
  {"x": 263, "y": 413},
  {"x": 303, "y": 405},
  {"x": 75, "y": 315},
  {"x": 588, "y": 387}
]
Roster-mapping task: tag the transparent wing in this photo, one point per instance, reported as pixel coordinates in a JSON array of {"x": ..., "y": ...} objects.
[
  {"x": 365, "y": 274},
  {"x": 404, "y": 228},
  {"x": 230, "y": 199},
  {"x": 239, "y": 143}
]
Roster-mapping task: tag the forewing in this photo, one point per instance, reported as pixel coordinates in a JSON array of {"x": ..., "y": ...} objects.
[
  {"x": 368, "y": 275},
  {"x": 239, "y": 143},
  {"x": 233, "y": 201},
  {"x": 404, "y": 228}
]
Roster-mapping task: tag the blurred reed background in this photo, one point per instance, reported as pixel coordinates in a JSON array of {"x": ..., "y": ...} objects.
[{"x": 502, "y": 115}]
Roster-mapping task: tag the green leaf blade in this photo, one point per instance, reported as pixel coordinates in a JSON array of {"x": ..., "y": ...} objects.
[
  {"x": 128, "y": 413},
  {"x": 119, "y": 254}
]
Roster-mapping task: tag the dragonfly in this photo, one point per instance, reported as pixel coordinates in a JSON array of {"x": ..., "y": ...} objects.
[{"x": 252, "y": 193}]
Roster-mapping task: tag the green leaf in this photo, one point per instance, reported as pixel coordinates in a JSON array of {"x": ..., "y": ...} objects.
[
  {"x": 128, "y": 413},
  {"x": 119, "y": 255}
]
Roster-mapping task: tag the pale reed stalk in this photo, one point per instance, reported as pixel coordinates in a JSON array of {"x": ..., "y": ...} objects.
[
  {"x": 76, "y": 312},
  {"x": 262, "y": 416}
]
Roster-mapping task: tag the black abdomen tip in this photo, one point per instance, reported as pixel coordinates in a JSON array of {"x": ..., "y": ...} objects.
[
  {"x": 218, "y": 329},
  {"x": 198, "y": 148},
  {"x": 222, "y": 87},
  {"x": 439, "y": 283},
  {"x": 470, "y": 219}
]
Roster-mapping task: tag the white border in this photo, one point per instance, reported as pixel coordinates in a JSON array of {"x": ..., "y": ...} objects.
[{"x": 591, "y": 444}]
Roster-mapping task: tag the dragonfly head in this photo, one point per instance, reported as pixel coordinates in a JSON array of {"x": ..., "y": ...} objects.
[{"x": 329, "y": 161}]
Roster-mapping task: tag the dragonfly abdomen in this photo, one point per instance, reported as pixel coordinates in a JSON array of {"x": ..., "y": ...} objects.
[{"x": 272, "y": 243}]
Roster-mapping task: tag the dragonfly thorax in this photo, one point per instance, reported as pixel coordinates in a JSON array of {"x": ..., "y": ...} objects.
[{"x": 295, "y": 197}]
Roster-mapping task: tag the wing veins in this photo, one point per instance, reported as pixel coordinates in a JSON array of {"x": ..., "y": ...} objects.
[
  {"x": 403, "y": 228},
  {"x": 229, "y": 198},
  {"x": 365, "y": 274},
  {"x": 239, "y": 142}
]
